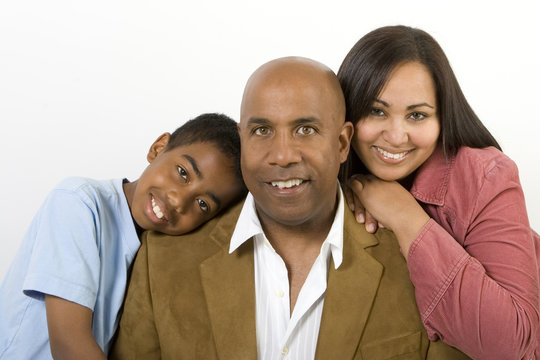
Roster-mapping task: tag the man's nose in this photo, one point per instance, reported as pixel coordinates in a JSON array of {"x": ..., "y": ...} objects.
[{"x": 284, "y": 151}]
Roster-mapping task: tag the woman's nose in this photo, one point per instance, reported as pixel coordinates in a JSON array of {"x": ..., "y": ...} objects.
[{"x": 395, "y": 132}]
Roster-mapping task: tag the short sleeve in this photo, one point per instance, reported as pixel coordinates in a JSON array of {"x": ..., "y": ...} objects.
[{"x": 65, "y": 259}]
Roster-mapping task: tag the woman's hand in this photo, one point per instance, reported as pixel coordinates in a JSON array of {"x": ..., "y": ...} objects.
[
  {"x": 390, "y": 204},
  {"x": 360, "y": 214}
]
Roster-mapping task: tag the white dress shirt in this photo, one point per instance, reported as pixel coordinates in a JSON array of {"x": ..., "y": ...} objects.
[{"x": 279, "y": 334}]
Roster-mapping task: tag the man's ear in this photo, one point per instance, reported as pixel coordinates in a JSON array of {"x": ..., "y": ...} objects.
[
  {"x": 158, "y": 146},
  {"x": 345, "y": 136}
]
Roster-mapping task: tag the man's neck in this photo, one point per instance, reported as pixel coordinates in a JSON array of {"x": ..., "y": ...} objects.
[{"x": 299, "y": 246}]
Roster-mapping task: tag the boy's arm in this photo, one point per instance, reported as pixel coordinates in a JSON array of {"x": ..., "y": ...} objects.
[{"x": 70, "y": 330}]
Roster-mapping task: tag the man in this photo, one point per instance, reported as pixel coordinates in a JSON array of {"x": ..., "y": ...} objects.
[{"x": 288, "y": 273}]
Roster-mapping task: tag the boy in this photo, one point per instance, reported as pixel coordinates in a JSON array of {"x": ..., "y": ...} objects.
[{"x": 74, "y": 261}]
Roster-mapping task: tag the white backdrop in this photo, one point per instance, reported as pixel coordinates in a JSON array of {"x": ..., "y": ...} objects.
[{"x": 86, "y": 86}]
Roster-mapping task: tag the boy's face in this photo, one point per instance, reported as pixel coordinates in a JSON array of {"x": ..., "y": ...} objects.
[{"x": 182, "y": 188}]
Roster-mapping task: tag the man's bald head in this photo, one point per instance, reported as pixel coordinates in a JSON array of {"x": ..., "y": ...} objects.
[{"x": 297, "y": 73}]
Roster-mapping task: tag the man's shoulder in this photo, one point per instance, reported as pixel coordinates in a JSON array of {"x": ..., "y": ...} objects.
[
  {"x": 201, "y": 243},
  {"x": 382, "y": 245}
]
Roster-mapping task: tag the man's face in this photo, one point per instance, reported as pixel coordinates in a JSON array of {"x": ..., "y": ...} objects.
[{"x": 293, "y": 142}]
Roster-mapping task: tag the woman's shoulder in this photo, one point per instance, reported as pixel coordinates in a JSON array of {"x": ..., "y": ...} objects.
[{"x": 484, "y": 161}]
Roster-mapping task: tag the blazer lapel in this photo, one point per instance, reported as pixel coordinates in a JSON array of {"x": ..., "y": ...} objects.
[
  {"x": 349, "y": 295},
  {"x": 229, "y": 287}
]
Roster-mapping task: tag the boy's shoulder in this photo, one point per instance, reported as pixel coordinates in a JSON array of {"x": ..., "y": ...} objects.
[
  {"x": 88, "y": 188},
  {"x": 75, "y": 183}
]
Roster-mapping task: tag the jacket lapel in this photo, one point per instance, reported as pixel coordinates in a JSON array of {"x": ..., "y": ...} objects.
[
  {"x": 228, "y": 283},
  {"x": 349, "y": 295}
]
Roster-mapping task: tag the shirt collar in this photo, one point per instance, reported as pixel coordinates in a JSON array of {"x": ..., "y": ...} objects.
[
  {"x": 431, "y": 182},
  {"x": 248, "y": 225}
]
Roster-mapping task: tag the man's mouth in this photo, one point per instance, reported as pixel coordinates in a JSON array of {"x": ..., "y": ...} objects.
[
  {"x": 389, "y": 155},
  {"x": 157, "y": 210},
  {"x": 287, "y": 184}
]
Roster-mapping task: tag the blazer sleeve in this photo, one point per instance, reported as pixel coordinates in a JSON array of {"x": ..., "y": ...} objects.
[
  {"x": 482, "y": 297},
  {"x": 137, "y": 337}
]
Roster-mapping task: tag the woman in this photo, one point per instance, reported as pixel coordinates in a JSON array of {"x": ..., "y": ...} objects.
[{"x": 434, "y": 175}]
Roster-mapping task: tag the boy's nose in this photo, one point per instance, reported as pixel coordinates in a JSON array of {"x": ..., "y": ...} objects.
[{"x": 176, "y": 201}]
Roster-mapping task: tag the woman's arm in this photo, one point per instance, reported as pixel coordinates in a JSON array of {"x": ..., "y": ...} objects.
[
  {"x": 70, "y": 330},
  {"x": 389, "y": 204},
  {"x": 482, "y": 297}
]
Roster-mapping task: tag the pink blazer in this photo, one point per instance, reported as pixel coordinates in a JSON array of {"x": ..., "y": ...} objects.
[{"x": 475, "y": 264}]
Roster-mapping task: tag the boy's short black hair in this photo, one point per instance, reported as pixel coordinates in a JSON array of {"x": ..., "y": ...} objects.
[{"x": 215, "y": 128}]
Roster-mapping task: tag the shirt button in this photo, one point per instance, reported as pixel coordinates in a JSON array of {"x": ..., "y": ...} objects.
[
  {"x": 279, "y": 293},
  {"x": 285, "y": 351}
]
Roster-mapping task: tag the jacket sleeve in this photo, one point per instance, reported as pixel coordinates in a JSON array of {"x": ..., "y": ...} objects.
[
  {"x": 480, "y": 293},
  {"x": 137, "y": 337}
]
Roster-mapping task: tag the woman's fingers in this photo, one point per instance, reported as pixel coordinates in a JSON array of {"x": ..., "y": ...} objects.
[
  {"x": 371, "y": 223},
  {"x": 349, "y": 197},
  {"x": 354, "y": 188}
]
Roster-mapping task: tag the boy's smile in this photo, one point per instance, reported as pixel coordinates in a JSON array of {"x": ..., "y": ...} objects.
[{"x": 182, "y": 187}]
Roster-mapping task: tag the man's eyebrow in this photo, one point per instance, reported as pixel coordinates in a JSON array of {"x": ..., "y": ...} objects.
[
  {"x": 307, "y": 120},
  {"x": 258, "y": 121},
  {"x": 193, "y": 165},
  {"x": 299, "y": 121}
]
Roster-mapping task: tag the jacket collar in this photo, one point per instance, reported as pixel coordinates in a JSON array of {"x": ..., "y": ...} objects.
[
  {"x": 431, "y": 182},
  {"x": 229, "y": 288},
  {"x": 350, "y": 294}
]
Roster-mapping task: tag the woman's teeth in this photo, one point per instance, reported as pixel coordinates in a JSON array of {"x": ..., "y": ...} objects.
[
  {"x": 390, "y": 155},
  {"x": 157, "y": 209},
  {"x": 287, "y": 184}
]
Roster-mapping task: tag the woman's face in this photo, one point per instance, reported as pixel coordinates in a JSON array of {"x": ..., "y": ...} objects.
[{"x": 402, "y": 128}]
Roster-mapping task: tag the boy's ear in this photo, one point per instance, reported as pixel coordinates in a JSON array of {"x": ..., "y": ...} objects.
[{"x": 158, "y": 146}]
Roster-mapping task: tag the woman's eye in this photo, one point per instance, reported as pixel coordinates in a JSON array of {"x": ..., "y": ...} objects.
[
  {"x": 417, "y": 116},
  {"x": 261, "y": 131},
  {"x": 203, "y": 205},
  {"x": 306, "y": 130},
  {"x": 376, "y": 112},
  {"x": 183, "y": 173}
]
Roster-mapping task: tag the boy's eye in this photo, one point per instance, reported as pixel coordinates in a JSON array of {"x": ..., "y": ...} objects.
[
  {"x": 203, "y": 205},
  {"x": 417, "y": 116},
  {"x": 306, "y": 130},
  {"x": 183, "y": 173}
]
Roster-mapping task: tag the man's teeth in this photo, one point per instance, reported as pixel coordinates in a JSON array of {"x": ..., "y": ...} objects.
[
  {"x": 287, "y": 184},
  {"x": 390, "y": 155},
  {"x": 157, "y": 209}
]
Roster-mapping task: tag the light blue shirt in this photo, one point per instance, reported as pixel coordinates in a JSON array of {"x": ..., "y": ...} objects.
[{"x": 79, "y": 247}]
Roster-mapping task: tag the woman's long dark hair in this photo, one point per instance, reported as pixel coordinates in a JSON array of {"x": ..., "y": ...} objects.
[{"x": 370, "y": 62}]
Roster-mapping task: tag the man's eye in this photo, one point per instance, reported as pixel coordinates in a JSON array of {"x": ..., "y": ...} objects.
[
  {"x": 203, "y": 205},
  {"x": 261, "y": 131},
  {"x": 306, "y": 130},
  {"x": 183, "y": 173}
]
